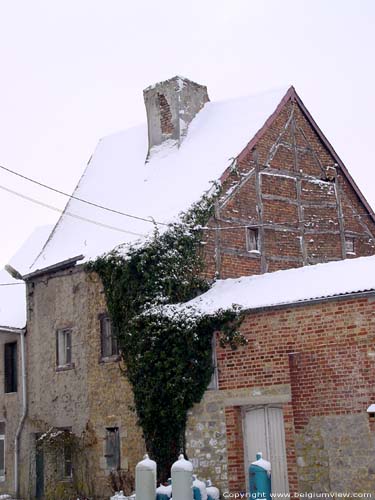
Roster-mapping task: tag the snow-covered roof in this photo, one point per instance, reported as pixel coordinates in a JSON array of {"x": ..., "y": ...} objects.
[
  {"x": 12, "y": 302},
  {"x": 289, "y": 286},
  {"x": 12, "y": 291},
  {"x": 170, "y": 182}
]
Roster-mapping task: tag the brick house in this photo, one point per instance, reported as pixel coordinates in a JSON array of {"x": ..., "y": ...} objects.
[{"x": 287, "y": 201}]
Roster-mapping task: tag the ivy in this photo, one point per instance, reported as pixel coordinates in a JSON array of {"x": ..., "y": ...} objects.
[{"x": 166, "y": 347}]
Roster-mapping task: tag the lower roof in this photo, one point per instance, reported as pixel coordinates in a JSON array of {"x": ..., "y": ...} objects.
[{"x": 304, "y": 284}]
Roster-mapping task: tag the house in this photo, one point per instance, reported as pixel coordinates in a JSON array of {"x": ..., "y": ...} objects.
[
  {"x": 13, "y": 398},
  {"x": 286, "y": 201}
]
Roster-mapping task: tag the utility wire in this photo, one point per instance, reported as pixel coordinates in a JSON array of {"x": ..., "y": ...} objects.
[
  {"x": 79, "y": 217},
  {"x": 73, "y": 197},
  {"x": 121, "y": 230},
  {"x": 10, "y": 284},
  {"x": 150, "y": 220}
]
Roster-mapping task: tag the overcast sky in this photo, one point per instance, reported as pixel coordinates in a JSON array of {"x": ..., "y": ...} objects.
[{"x": 74, "y": 71}]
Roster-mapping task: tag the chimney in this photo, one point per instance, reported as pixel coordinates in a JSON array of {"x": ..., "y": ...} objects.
[{"x": 171, "y": 106}]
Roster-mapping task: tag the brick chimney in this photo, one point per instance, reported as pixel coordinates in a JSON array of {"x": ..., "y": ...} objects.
[{"x": 171, "y": 105}]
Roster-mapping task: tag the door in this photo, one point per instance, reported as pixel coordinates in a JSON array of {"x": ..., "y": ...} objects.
[
  {"x": 264, "y": 432},
  {"x": 39, "y": 469}
]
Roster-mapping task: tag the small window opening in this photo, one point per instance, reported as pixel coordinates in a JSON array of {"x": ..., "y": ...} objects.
[
  {"x": 349, "y": 245},
  {"x": 112, "y": 448},
  {"x": 213, "y": 385},
  {"x": 64, "y": 348},
  {"x": 10, "y": 367},
  {"x": 252, "y": 239},
  {"x": 108, "y": 337}
]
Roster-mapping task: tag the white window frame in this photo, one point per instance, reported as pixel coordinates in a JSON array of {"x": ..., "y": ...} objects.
[{"x": 64, "y": 348}]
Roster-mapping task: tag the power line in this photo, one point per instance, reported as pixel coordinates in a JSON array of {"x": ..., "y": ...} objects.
[
  {"x": 10, "y": 284},
  {"x": 149, "y": 220},
  {"x": 79, "y": 217},
  {"x": 71, "y": 196}
]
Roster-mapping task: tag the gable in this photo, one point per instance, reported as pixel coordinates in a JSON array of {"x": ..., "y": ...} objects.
[{"x": 289, "y": 184}]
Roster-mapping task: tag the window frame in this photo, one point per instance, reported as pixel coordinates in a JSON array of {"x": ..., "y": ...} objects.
[
  {"x": 67, "y": 449},
  {"x": 350, "y": 240},
  {"x": 111, "y": 338},
  {"x": 114, "y": 434},
  {"x": 68, "y": 351},
  {"x": 254, "y": 231},
  {"x": 11, "y": 368}
]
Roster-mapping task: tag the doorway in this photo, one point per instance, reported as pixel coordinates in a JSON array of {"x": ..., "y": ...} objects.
[{"x": 264, "y": 432}]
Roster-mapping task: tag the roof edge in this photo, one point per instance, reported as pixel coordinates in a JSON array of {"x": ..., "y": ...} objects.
[
  {"x": 311, "y": 301},
  {"x": 331, "y": 149},
  {"x": 11, "y": 329},
  {"x": 54, "y": 268},
  {"x": 290, "y": 93}
]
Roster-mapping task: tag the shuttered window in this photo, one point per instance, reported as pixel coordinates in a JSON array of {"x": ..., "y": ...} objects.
[
  {"x": 112, "y": 448},
  {"x": 10, "y": 367},
  {"x": 109, "y": 346}
]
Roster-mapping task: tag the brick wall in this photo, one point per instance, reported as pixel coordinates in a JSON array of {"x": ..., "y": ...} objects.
[
  {"x": 325, "y": 353},
  {"x": 281, "y": 186}
]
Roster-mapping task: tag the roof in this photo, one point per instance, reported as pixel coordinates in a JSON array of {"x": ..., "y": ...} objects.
[
  {"x": 12, "y": 291},
  {"x": 170, "y": 182},
  {"x": 289, "y": 286},
  {"x": 12, "y": 302}
]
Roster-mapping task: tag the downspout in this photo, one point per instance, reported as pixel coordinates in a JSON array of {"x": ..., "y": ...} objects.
[{"x": 23, "y": 415}]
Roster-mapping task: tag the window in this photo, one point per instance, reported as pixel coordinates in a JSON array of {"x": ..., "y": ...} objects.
[
  {"x": 252, "y": 239},
  {"x": 214, "y": 379},
  {"x": 109, "y": 346},
  {"x": 10, "y": 367},
  {"x": 67, "y": 461},
  {"x": 2, "y": 451},
  {"x": 349, "y": 245},
  {"x": 112, "y": 448},
  {"x": 64, "y": 348}
]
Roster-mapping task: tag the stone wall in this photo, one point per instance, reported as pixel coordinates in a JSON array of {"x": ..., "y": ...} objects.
[{"x": 87, "y": 398}]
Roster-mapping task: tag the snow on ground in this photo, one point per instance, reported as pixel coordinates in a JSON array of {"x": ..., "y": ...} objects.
[
  {"x": 289, "y": 286},
  {"x": 12, "y": 291},
  {"x": 170, "y": 182}
]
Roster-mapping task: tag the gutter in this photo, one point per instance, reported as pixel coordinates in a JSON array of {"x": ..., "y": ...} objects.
[{"x": 23, "y": 416}]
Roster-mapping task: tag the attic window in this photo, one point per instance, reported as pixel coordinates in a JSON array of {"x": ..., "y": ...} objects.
[
  {"x": 349, "y": 245},
  {"x": 252, "y": 239}
]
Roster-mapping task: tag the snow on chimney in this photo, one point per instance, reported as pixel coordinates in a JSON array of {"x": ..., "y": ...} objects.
[{"x": 171, "y": 105}]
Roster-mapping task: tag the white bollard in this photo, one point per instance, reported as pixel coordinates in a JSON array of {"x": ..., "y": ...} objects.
[
  {"x": 145, "y": 479},
  {"x": 182, "y": 479}
]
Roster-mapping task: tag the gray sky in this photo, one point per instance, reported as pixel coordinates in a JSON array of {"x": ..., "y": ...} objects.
[{"x": 73, "y": 71}]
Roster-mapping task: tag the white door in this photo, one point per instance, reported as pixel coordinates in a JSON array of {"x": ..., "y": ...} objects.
[{"x": 264, "y": 431}]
